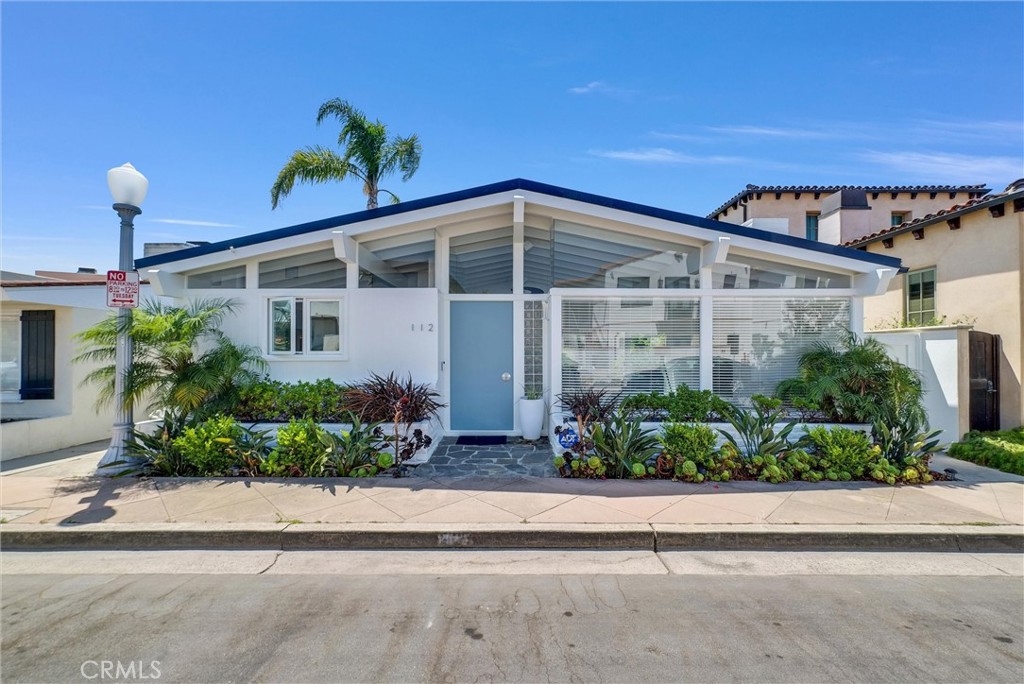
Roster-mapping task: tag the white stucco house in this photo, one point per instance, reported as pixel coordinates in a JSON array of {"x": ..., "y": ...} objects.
[
  {"x": 520, "y": 285},
  {"x": 43, "y": 404}
]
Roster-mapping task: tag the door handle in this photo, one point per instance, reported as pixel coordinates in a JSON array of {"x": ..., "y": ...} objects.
[
  {"x": 505, "y": 377},
  {"x": 991, "y": 388}
]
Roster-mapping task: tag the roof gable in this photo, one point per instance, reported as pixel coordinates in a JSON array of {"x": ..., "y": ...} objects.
[{"x": 409, "y": 206}]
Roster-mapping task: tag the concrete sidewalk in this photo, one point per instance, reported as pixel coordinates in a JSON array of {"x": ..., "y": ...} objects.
[{"x": 54, "y": 504}]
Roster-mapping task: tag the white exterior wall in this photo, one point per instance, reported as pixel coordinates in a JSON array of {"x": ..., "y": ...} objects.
[
  {"x": 383, "y": 330},
  {"x": 71, "y": 417},
  {"x": 941, "y": 356}
]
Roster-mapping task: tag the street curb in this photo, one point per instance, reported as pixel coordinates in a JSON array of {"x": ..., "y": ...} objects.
[
  {"x": 624, "y": 536},
  {"x": 139, "y": 536},
  {"x": 753, "y": 537},
  {"x": 470, "y": 536}
]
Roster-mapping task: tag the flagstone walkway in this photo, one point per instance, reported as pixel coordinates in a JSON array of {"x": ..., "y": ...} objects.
[{"x": 516, "y": 458}]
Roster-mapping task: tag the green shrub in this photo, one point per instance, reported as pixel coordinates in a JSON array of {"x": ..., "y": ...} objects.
[
  {"x": 276, "y": 401},
  {"x": 688, "y": 442},
  {"x": 647, "y": 407},
  {"x": 841, "y": 450},
  {"x": 209, "y": 447},
  {"x": 1000, "y": 450},
  {"x": 356, "y": 452},
  {"x": 855, "y": 381},
  {"x": 682, "y": 405},
  {"x": 299, "y": 451},
  {"x": 695, "y": 406}
]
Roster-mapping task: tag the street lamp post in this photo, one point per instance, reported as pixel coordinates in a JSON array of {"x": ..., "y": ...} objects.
[{"x": 128, "y": 188}]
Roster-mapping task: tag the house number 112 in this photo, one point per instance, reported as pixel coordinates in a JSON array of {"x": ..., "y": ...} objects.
[{"x": 424, "y": 327}]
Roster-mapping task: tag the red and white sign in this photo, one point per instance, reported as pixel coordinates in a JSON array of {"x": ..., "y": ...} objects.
[{"x": 123, "y": 289}]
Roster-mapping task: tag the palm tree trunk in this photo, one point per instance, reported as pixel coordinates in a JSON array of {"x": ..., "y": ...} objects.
[{"x": 371, "y": 195}]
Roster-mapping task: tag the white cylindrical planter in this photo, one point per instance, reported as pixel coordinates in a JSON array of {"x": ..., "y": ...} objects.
[{"x": 531, "y": 417}]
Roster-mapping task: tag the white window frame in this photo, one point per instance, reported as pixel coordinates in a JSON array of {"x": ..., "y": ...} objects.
[
  {"x": 13, "y": 395},
  {"x": 294, "y": 353}
]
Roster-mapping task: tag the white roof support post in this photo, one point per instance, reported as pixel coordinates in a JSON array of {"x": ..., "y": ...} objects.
[
  {"x": 712, "y": 253},
  {"x": 518, "y": 308},
  {"x": 715, "y": 252},
  {"x": 875, "y": 282},
  {"x": 166, "y": 284}
]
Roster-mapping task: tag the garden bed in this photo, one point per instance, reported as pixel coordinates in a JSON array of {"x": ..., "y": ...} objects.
[{"x": 431, "y": 428}]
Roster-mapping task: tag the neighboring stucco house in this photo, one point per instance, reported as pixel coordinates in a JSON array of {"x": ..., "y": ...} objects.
[
  {"x": 964, "y": 265},
  {"x": 836, "y": 214},
  {"x": 43, "y": 404},
  {"x": 520, "y": 285}
]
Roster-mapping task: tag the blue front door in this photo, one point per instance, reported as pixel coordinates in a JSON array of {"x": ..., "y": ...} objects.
[{"x": 482, "y": 391}]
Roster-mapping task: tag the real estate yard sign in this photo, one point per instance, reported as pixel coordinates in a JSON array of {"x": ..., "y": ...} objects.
[{"x": 123, "y": 289}]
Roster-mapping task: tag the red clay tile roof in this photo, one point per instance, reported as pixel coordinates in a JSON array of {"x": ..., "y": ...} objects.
[
  {"x": 1014, "y": 191},
  {"x": 829, "y": 189}
]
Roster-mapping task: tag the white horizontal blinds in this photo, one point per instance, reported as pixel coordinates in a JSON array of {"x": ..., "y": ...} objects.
[
  {"x": 757, "y": 342},
  {"x": 223, "y": 278},
  {"x": 632, "y": 346},
  {"x": 742, "y": 272},
  {"x": 308, "y": 270}
]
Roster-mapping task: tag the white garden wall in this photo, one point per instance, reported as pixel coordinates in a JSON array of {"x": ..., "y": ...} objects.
[{"x": 941, "y": 355}]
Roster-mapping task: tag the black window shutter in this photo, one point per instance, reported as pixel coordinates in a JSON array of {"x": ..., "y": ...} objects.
[{"x": 37, "y": 342}]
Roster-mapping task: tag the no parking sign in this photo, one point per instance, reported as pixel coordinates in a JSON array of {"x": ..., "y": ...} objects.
[{"x": 123, "y": 289}]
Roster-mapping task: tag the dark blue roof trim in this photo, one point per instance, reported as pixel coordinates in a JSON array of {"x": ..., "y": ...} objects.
[{"x": 507, "y": 186}]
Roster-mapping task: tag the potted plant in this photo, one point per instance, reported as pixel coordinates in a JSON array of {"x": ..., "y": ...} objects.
[{"x": 531, "y": 413}]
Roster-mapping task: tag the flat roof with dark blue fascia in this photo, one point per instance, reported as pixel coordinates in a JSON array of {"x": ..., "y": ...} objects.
[{"x": 506, "y": 186}]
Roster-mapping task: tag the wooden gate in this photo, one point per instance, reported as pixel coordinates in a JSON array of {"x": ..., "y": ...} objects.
[{"x": 984, "y": 370}]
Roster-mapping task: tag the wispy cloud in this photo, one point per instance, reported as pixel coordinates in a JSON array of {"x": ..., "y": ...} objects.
[
  {"x": 972, "y": 130},
  {"x": 187, "y": 222},
  {"x": 602, "y": 88},
  {"x": 592, "y": 87},
  {"x": 770, "y": 132},
  {"x": 661, "y": 155},
  {"x": 682, "y": 137},
  {"x": 939, "y": 166}
]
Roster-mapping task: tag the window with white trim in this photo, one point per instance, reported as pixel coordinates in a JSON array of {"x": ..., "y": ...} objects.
[
  {"x": 920, "y": 304},
  {"x": 301, "y": 325}
]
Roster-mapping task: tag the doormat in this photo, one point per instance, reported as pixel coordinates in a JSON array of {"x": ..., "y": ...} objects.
[{"x": 470, "y": 440}]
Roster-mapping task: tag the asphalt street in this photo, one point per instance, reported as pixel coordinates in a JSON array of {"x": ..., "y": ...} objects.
[{"x": 511, "y": 616}]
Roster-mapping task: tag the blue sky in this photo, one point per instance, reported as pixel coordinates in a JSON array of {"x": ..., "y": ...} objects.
[{"x": 676, "y": 105}]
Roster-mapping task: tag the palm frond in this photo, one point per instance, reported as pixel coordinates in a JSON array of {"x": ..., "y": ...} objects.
[{"x": 310, "y": 165}]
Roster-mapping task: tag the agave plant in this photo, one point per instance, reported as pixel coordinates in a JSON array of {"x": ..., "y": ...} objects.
[
  {"x": 624, "y": 445},
  {"x": 755, "y": 428}
]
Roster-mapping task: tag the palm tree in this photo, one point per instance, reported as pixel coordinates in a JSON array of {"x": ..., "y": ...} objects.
[
  {"x": 181, "y": 360},
  {"x": 856, "y": 380},
  {"x": 369, "y": 155}
]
